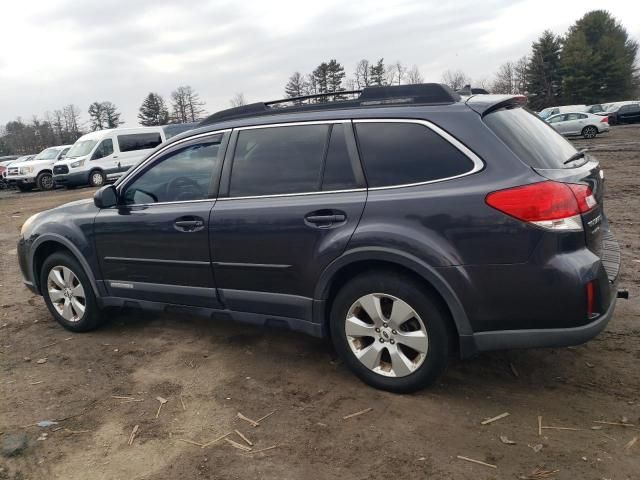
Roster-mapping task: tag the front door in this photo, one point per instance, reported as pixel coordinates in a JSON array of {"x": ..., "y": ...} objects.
[
  {"x": 293, "y": 197},
  {"x": 155, "y": 244},
  {"x": 103, "y": 157}
]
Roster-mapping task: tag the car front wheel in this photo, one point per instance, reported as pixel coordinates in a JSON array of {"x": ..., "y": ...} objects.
[
  {"x": 68, "y": 293},
  {"x": 97, "y": 178},
  {"x": 390, "y": 331},
  {"x": 45, "y": 181}
]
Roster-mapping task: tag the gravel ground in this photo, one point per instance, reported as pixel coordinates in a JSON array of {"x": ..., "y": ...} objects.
[{"x": 210, "y": 371}]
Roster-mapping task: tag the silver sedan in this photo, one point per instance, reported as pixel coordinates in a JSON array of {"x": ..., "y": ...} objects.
[{"x": 579, "y": 123}]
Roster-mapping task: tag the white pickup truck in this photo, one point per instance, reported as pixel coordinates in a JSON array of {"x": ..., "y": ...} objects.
[{"x": 37, "y": 172}]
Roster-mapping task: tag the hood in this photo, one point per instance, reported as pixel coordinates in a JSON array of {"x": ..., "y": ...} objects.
[
  {"x": 34, "y": 163},
  {"x": 78, "y": 206}
]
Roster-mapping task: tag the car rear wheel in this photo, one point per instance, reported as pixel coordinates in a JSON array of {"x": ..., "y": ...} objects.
[
  {"x": 68, "y": 293},
  {"x": 45, "y": 181},
  {"x": 589, "y": 132},
  {"x": 390, "y": 331},
  {"x": 97, "y": 178}
]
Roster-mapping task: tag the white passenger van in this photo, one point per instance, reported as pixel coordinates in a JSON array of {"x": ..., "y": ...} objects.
[{"x": 107, "y": 154}]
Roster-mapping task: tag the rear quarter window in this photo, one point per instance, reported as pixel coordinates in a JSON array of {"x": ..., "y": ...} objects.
[
  {"x": 406, "y": 153},
  {"x": 139, "y": 141},
  {"x": 532, "y": 140}
]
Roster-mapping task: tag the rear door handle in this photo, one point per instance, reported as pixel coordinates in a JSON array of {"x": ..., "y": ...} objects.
[
  {"x": 325, "y": 218},
  {"x": 189, "y": 224}
]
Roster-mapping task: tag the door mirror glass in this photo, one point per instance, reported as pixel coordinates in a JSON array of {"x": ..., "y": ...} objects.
[{"x": 106, "y": 197}]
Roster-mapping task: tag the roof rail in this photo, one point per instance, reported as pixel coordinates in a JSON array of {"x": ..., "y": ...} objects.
[{"x": 423, "y": 94}]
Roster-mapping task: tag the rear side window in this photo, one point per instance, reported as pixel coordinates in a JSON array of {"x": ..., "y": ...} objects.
[
  {"x": 404, "y": 153},
  {"x": 278, "y": 160},
  {"x": 338, "y": 170},
  {"x": 138, "y": 141},
  {"x": 531, "y": 139}
]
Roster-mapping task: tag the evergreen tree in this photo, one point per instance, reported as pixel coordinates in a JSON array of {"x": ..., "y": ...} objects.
[
  {"x": 335, "y": 77},
  {"x": 598, "y": 60},
  {"x": 96, "y": 116},
  {"x": 111, "y": 115},
  {"x": 153, "y": 111},
  {"x": 544, "y": 76},
  {"x": 378, "y": 73},
  {"x": 321, "y": 80}
]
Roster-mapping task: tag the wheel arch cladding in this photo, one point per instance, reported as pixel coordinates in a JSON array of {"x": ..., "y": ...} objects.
[
  {"x": 355, "y": 262},
  {"x": 50, "y": 244}
]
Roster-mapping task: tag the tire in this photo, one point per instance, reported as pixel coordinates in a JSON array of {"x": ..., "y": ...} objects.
[
  {"x": 44, "y": 181},
  {"x": 589, "y": 132},
  {"x": 97, "y": 178},
  {"x": 24, "y": 187},
  {"x": 401, "y": 369},
  {"x": 67, "y": 303}
]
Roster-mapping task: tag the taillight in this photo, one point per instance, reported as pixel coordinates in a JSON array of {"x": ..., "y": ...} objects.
[
  {"x": 550, "y": 205},
  {"x": 605, "y": 119}
]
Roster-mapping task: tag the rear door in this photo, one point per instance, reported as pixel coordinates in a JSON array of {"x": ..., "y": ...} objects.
[
  {"x": 291, "y": 197},
  {"x": 155, "y": 244},
  {"x": 571, "y": 124}
]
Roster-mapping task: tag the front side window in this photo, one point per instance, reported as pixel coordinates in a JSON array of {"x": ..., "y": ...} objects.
[
  {"x": 278, "y": 160},
  {"x": 556, "y": 119},
  {"x": 183, "y": 175},
  {"x": 405, "y": 153},
  {"x": 138, "y": 141},
  {"x": 104, "y": 149}
]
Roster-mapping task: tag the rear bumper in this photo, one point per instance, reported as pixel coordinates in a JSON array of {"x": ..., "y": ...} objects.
[{"x": 547, "y": 337}]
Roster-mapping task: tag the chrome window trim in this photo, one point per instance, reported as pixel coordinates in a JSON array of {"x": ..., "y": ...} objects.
[
  {"x": 141, "y": 165},
  {"x": 478, "y": 164}
]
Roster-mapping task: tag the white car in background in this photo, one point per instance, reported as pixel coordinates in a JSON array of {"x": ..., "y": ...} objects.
[
  {"x": 587, "y": 125},
  {"x": 36, "y": 172}
]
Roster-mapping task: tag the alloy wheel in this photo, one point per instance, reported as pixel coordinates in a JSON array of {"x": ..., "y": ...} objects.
[
  {"x": 66, "y": 293},
  {"x": 386, "y": 335},
  {"x": 46, "y": 182}
]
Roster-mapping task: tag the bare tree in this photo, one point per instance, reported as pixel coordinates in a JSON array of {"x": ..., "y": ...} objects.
[
  {"x": 414, "y": 76},
  {"x": 455, "y": 79},
  {"x": 396, "y": 73},
  {"x": 511, "y": 77},
  {"x": 71, "y": 119},
  {"x": 295, "y": 87},
  {"x": 186, "y": 105},
  {"x": 362, "y": 74},
  {"x": 238, "y": 100}
]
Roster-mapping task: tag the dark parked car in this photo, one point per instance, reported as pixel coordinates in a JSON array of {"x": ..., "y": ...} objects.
[
  {"x": 406, "y": 225},
  {"x": 629, "y": 113}
]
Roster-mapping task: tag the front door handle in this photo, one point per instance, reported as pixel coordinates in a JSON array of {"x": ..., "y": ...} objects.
[{"x": 189, "y": 224}]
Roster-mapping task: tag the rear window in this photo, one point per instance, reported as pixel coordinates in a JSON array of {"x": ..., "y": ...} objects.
[
  {"x": 405, "y": 153},
  {"x": 138, "y": 141},
  {"x": 531, "y": 139}
]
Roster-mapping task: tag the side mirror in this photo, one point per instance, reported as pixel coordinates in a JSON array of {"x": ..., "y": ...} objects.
[{"x": 106, "y": 197}]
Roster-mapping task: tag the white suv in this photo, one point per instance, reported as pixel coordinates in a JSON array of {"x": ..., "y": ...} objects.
[{"x": 37, "y": 172}]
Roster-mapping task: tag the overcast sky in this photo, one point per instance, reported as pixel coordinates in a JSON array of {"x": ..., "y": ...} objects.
[{"x": 56, "y": 52}]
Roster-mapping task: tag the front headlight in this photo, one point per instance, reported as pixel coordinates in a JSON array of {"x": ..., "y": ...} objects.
[
  {"x": 77, "y": 164},
  {"x": 25, "y": 170}
]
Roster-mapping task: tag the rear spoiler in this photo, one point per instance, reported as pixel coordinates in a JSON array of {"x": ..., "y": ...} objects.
[{"x": 485, "y": 104}]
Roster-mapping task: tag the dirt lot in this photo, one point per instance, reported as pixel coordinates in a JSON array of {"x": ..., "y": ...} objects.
[{"x": 220, "y": 369}]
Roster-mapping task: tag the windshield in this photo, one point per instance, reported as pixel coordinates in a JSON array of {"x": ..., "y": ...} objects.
[
  {"x": 531, "y": 139},
  {"x": 48, "y": 154},
  {"x": 80, "y": 149}
]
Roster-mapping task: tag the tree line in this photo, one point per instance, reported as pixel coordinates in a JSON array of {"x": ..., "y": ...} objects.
[
  {"x": 64, "y": 126},
  {"x": 330, "y": 78},
  {"x": 595, "y": 61}
]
